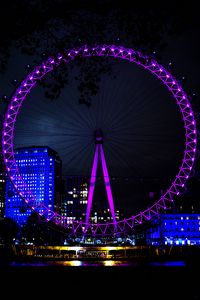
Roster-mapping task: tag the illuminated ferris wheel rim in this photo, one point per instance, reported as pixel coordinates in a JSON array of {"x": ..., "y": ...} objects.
[{"x": 106, "y": 51}]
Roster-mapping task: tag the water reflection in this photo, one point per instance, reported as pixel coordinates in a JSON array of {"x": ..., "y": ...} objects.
[
  {"x": 103, "y": 263},
  {"x": 100, "y": 263},
  {"x": 169, "y": 264}
]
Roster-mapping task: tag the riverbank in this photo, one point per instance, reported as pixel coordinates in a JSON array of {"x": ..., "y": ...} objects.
[
  {"x": 157, "y": 253},
  {"x": 144, "y": 281},
  {"x": 143, "y": 272},
  {"x": 143, "y": 254}
]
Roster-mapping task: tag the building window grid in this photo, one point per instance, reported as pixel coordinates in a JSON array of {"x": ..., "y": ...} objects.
[
  {"x": 185, "y": 227},
  {"x": 38, "y": 180}
]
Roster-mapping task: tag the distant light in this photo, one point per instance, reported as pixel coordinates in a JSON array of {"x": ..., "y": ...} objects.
[
  {"x": 28, "y": 66},
  {"x": 14, "y": 81},
  {"x": 4, "y": 98}
]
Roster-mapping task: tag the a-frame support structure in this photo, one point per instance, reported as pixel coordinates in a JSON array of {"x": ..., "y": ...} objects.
[{"x": 99, "y": 153}]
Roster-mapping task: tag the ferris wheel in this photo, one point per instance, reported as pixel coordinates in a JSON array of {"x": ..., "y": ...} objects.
[{"x": 166, "y": 199}]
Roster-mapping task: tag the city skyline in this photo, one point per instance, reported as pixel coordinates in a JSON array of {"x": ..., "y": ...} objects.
[
  {"x": 144, "y": 126},
  {"x": 147, "y": 106}
]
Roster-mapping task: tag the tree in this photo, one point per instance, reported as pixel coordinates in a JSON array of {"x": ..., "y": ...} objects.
[
  {"x": 8, "y": 230},
  {"x": 40, "y": 28},
  {"x": 40, "y": 232}
]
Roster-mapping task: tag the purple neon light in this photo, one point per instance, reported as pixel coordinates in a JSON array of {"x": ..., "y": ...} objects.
[
  {"x": 92, "y": 184},
  {"x": 123, "y": 53},
  {"x": 107, "y": 184},
  {"x": 99, "y": 149}
]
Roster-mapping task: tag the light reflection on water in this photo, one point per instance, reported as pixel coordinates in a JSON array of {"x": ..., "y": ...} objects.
[
  {"x": 100, "y": 263},
  {"x": 104, "y": 263},
  {"x": 169, "y": 264}
]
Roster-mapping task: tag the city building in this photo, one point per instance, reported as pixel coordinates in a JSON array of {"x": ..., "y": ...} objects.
[
  {"x": 181, "y": 229},
  {"x": 74, "y": 202},
  {"x": 104, "y": 216},
  {"x": 74, "y": 199},
  {"x": 175, "y": 229},
  {"x": 41, "y": 169}
]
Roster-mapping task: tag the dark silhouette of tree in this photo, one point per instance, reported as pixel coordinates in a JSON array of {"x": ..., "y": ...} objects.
[
  {"x": 34, "y": 231},
  {"x": 40, "y": 232},
  {"x": 41, "y": 27},
  {"x": 8, "y": 230}
]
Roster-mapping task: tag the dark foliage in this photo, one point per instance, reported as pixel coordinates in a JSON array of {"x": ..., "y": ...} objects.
[
  {"x": 40, "y": 232},
  {"x": 41, "y": 27},
  {"x": 8, "y": 230}
]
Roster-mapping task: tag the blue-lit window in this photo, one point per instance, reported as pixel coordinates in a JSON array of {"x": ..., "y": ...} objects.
[{"x": 34, "y": 165}]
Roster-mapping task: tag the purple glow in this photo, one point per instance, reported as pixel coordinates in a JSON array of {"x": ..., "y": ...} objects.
[
  {"x": 107, "y": 184},
  {"x": 132, "y": 56},
  {"x": 99, "y": 149},
  {"x": 92, "y": 184}
]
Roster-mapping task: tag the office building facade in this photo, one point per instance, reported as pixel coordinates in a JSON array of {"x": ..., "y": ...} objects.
[
  {"x": 41, "y": 170},
  {"x": 74, "y": 199}
]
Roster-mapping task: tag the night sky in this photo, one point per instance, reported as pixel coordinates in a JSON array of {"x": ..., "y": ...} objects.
[{"x": 141, "y": 123}]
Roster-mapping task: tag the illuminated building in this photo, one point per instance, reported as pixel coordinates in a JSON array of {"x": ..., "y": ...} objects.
[
  {"x": 181, "y": 229},
  {"x": 74, "y": 201},
  {"x": 41, "y": 169},
  {"x": 104, "y": 216},
  {"x": 175, "y": 229}
]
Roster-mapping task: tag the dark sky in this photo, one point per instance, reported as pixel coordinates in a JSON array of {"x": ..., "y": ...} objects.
[{"x": 142, "y": 126}]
